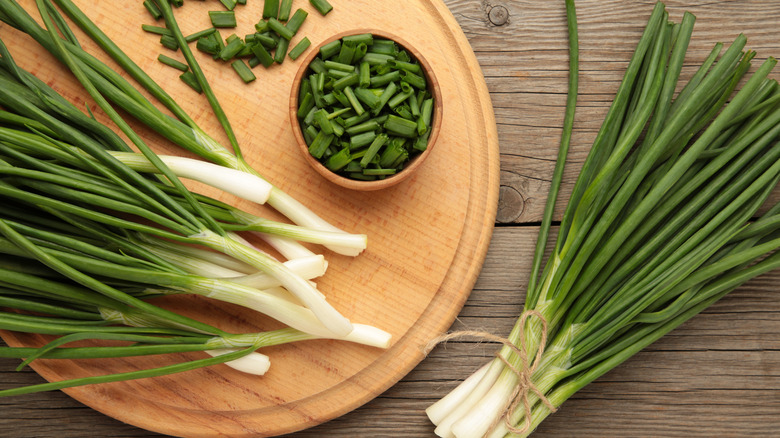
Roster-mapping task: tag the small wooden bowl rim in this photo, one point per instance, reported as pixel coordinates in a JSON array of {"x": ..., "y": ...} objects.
[{"x": 414, "y": 164}]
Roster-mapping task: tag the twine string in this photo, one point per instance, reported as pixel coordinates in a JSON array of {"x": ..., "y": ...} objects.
[{"x": 524, "y": 383}]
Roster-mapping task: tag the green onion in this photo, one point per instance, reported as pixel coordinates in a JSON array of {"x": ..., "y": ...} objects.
[
  {"x": 222, "y": 19},
  {"x": 270, "y": 8},
  {"x": 243, "y": 71},
  {"x": 354, "y": 40},
  {"x": 299, "y": 48},
  {"x": 283, "y": 31},
  {"x": 229, "y": 4},
  {"x": 209, "y": 44},
  {"x": 376, "y": 144},
  {"x": 262, "y": 55},
  {"x": 200, "y": 34},
  {"x": 281, "y": 50},
  {"x": 296, "y": 21},
  {"x": 658, "y": 227},
  {"x": 189, "y": 79},
  {"x": 169, "y": 42},
  {"x": 322, "y": 6},
  {"x": 338, "y": 160},
  {"x": 154, "y": 11},
  {"x": 330, "y": 49},
  {"x": 167, "y": 60},
  {"x": 156, "y": 29},
  {"x": 285, "y": 9},
  {"x": 401, "y": 127},
  {"x": 232, "y": 48}
]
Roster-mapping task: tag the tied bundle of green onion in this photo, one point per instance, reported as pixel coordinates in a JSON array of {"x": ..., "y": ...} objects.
[
  {"x": 89, "y": 230},
  {"x": 659, "y": 226}
]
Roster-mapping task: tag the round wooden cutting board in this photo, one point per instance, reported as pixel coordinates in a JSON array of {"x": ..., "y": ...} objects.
[{"x": 427, "y": 237}]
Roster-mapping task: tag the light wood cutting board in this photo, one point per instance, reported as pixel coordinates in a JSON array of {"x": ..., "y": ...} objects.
[{"x": 427, "y": 236}]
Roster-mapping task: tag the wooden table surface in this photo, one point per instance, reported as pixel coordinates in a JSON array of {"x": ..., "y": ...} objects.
[{"x": 717, "y": 375}]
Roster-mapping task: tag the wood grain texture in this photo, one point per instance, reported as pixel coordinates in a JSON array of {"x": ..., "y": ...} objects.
[{"x": 717, "y": 375}]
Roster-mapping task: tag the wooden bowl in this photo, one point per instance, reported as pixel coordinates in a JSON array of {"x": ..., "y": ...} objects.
[{"x": 414, "y": 163}]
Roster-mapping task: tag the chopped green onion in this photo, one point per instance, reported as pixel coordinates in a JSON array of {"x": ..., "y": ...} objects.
[
  {"x": 178, "y": 65},
  {"x": 263, "y": 56},
  {"x": 377, "y": 58},
  {"x": 200, "y": 34},
  {"x": 154, "y": 11},
  {"x": 329, "y": 50},
  {"x": 267, "y": 41},
  {"x": 232, "y": 48},
  {"x": 401, "y": 127},
  {"x": 382, "y": 80},
  {"x": 359, "y": 140},
  {"x": 320, "y": 144},
  {"x": 285, "y": 8},
  {"x": 261, "y": 26},
  {"x": 306, "y": 104},
  {"x": 370, "y": 125},
  {"x": 156, "y": 29},
  {"x": 209, "y": 45},
  {"x": 322, "y": 6},
  {"x": 169, "y": 42},
  {"x": 412, "y": 79},
  {"x": 339, "y": 66},
  {"x": 383, "y": 172},
  {"x": 347, "y": 53},
  {"x": 384, "y": 47},
  {"x": 299, "y": 48},
  {"x": 387, "y": 93},
  {"x": 406, "y": 92},
  {"x": 353, "y": 100},
  {"x": 338, "y": 160},
  {"x": 365, "y": 74},
  {"x": 281, "y": 30},
  {"x": 296, "y": 21},
  {"x": 364, "y": 38},
  {"x": 352, "y": 121},
  {"x": 189, "y": 79},
  {"x": 372, "y": 150},
  {"x": 244, "y": 72},
  {"x": 223, "y": 19},
  {"x": 229, "y": 4},
  {"x": 271, "y": 9},
  {"x": 281, "y": 50},
  {"x": 322, "y": 119},
  {"x": 346, "y": 81},
  {"x": 426, "y": 112},
  {"x": 407, "y": 66}
]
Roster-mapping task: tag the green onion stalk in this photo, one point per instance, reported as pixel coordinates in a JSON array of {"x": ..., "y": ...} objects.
[
  {"x": 659, "y": 226},
  {"x": 181, "y": 130}
]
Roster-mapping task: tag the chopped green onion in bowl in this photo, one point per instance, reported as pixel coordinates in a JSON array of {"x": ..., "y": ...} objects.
[{"x": 365, "y": 109}]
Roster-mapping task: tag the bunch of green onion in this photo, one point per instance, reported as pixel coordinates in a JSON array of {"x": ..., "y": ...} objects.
[
  {"x": 89, "y": 229},
  {"x": 181, "y": 130},
  {"x": 659, "y": 226}
]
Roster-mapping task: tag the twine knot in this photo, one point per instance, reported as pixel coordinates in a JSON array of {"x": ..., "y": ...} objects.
[{"x": 524, "y": 373}]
